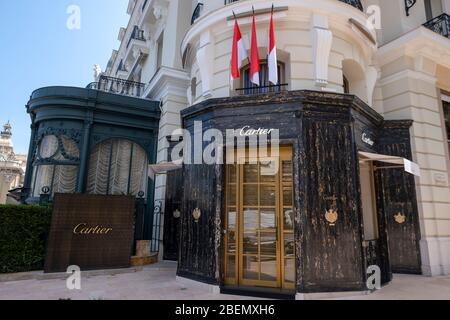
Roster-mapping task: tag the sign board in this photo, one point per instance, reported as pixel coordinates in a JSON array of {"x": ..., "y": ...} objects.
[
  {"x": 412, "y": 167},
  {"x": 90, "y": 231}
]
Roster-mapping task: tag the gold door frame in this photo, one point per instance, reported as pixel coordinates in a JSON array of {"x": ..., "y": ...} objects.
[{"x": 234, "y": 189}]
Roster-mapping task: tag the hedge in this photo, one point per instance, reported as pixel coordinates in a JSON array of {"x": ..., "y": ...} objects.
[{"x": 23, "y": 234}]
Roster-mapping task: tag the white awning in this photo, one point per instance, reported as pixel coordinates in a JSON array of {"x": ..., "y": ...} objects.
[
  {"x": 405, "y": 164},
  {"x": 160, "y": 168}
]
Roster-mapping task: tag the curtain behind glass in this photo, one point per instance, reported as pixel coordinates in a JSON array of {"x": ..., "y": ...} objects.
[
  {"x": 117, "y": 167},
  {"x": 43, "y": 178},
  {"x": 60, "y": 179}
]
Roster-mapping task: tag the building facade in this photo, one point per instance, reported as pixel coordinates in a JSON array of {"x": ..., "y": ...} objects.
[
  {"x": 400, "y": 70},
  {"x": 363, "y": 101},
  {"x": 91, "y": 142},
  {"x": 12, "y": 166}
]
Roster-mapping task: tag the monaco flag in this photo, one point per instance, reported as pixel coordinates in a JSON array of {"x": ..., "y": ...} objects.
[
  {"x": 272, "y": 61},
  {"x": 239, "y": 52},
  {"x": 255, "y": 66}
]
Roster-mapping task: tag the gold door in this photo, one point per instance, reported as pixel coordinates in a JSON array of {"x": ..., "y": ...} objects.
[{"x": 259, "y": 222}]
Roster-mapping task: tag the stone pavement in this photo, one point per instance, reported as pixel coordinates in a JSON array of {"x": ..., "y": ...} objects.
[{"x": 158, "y": 282}]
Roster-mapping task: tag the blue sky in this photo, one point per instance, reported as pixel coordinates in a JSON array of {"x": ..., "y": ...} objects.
[{"x": 37, "y": 49}]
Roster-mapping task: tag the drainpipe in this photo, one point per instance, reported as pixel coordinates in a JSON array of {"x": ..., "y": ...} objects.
[{"x": 88, "y": 122}]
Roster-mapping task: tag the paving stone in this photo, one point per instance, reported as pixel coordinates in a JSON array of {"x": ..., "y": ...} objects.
[{"x": 159, "y": 282}]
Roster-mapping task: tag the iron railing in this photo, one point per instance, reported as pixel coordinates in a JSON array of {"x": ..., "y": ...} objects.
[
  {"x": 263, "y": 89},
  {"x": 156, "y": 227},
  {"x": 144, "y": 5},
  {"x": 118, "y": 86},
  {"x": 440, "y": 24},
  {"x": 197, "y": 11},
  {"x": 355, "y": 3},
  {"x": 137, "y": 34}
]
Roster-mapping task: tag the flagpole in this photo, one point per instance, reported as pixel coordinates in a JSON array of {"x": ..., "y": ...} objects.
[{"x": 249, "y": 60}]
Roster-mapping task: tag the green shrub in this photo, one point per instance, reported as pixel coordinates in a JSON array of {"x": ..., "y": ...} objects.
[{"x": 23, "y": 234}]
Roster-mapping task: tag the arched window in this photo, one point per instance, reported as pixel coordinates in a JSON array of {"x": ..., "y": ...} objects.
[
  {"x": 56, "y": 166},
  {"x": 118, "y": 167},
  {"x": 249, "y": 88}
]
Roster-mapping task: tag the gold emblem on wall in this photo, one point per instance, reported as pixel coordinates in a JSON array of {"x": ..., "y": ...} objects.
[
  {"x": 332, "y": 217},
  {"x": 400, "y": 218}
]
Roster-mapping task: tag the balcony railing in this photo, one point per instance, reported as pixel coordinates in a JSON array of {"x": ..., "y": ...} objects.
[
  {"x": 137, "y": 34},
  {"x": 144, "y": 5},
  {"x": 197, "y": 12},
  {"x": 440, "y": 24},
  {"x": 263, "y": 89},
  {"x": 355, "y": 3},
  {"x": 118, "y": 86}
]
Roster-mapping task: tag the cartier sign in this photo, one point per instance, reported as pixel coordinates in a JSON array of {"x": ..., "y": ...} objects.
[
  {"x": 249, "y": 131},
  {"x": 90, "y": 231},
  {"x": 367, "y": 139},
  {"x": 84, "y": 229}
]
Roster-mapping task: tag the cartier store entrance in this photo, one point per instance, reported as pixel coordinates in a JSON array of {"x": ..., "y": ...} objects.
[
  {"x": 259, "y": 246},
  {"x": 337, "y": 199}
]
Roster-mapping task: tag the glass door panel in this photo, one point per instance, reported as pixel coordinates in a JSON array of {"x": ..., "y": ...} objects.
[
  {"x": 288, "y": 221},
  {"x": 260, "y": 222}
]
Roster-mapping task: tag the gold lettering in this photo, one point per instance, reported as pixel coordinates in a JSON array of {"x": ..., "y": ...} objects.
[
  {"x": 83, "y": 229},
  {"x": 75, "y": 230}
]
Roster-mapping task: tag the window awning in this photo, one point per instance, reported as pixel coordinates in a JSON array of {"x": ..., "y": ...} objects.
[
  {"x": 161, "y": 168},
  {"x": 399, "y": 162}
]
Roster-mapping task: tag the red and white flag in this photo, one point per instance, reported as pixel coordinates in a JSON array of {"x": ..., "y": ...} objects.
[
  {"x": 255, "y": 66},
  {"x": 272, "y": 61},
  {"x": 239, "y": 53}
]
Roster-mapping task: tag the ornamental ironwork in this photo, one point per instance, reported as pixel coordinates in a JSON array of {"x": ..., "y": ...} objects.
[
  {"x": 440, "y": 24},
  {"x": 408, "y": 5}
]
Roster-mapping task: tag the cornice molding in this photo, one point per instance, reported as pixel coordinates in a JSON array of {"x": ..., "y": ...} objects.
[
  {"x": 167, "y": 81},
  {"x": 342, "y": 13},
  {"x": 407, "y": 74},
  {"x": 418, "y": 42},
  {"x": 302, "y": 97}
]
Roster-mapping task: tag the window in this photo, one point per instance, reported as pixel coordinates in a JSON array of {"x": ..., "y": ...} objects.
[
  {"x": 446, "y": 105},
  {"x": 56, "y": 166},
  {"x": 118, "y": 167},
  {"x": 193, "y": 89},
  {"x": 249, "y": 88},
  {"x": 346, "y": 86}
]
